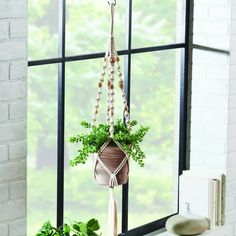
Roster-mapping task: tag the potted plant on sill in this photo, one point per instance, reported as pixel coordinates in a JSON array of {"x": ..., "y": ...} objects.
[{"x": 89, "y": 228}]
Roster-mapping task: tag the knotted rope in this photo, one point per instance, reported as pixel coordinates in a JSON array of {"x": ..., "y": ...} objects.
[{"x": 111, "y": 60}]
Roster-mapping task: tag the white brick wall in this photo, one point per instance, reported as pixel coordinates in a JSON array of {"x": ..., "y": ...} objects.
[
  {"x": 213, "y": 106},
  {"x": 13, "y": 74}
]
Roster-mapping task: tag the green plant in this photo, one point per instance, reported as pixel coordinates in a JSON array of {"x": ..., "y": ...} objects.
[
  {"x": 98, "y": 135},
  {"x": 76, "y": 229}
]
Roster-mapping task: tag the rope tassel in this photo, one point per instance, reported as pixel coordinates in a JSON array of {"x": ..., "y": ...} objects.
[{"x": 112, "y": 227}]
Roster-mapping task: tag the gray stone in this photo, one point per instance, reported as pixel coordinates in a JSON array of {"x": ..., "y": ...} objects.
[{"x": 182, "y": 225}]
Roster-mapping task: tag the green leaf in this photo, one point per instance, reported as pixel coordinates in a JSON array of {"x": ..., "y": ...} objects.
[{"x": 93, "y": 225}]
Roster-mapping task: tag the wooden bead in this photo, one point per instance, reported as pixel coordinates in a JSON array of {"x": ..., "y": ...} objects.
[
  {"x": 121, "y": 84},
  {"x": 113, "y": 59}
]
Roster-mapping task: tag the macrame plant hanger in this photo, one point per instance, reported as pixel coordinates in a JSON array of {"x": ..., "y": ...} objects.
[{"x": 110, "y": 64}]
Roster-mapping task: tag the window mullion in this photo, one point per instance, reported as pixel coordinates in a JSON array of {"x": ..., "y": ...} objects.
[
  {"x": 127, "y": 73},
  {"x": 61, "y": 114}
]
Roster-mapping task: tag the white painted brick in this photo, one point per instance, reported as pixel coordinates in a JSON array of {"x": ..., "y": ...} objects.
[
  {"x": 233, "y": 10},
  {"x": 216, "y": 101},
  {"x": 232, "y": 42},
  {"x": 217, "y": 131},
  {"x": 231, "y": 160},
  {"x": 230, "y": 216},
  {"x": 200, "y": 39},
  {"x": 4, "y": 71},
  {"x": 232, "y": 117},
  {"x": 3, "y": 230},
  {"x": 13, "y": 131},
  {"x": 233, "y": 56},
  {"x": 220, "y": 72},
  {"x": 18, "y": 28},
  {"x": 198, "y": 71},
  {"x": 216, "y": 163},
  {"x": 233, "y": 72},
  {"x": 206, "y": 115},
  {"x": 211, "y": 2},
  {"x": 4, "y": 30},
  {"x": 232, "y": 87},
  {"x": 206, "y": 59},
  {"x": 11, "y": 210},
  {"x": 232, "y": 131},
  {"x": 17, "y": 228},
  {"x": 201, "y": 12},
  {"x": 18, "y": 110},
  {"x": 232, "y": 102},
  {"x": 218, "y": 41},
  {"x": 233, "y": 27},
  {"x": 209, "y": 146},
  {"x": 216, "y": 87},
  {"x": 211, "y": 27},
  {"x": 3, "y": 112},
  {"x": 198, "y": 100},
  {"x": 12, "y": 171},
  {"x": 230, "y": 188},
  {"x": 3, "y": 153},
  {"x": 229, "y": 203},
  {"x": 218, "y": 13},
  {"x": 4, "y": 192},
  {"x": 13, "y": 8},
  {"x": 17, "y": 189},
  {"x": 17, "y": 150},
  {"x": 13, "y": 50},
  {"x": 10, "y": 91},
  {"x": 18, "y": 70},
  {"x": 231, "y": 145}
]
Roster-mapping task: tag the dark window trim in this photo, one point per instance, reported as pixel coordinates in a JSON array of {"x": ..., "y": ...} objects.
[{"x": 62, "y": 59}]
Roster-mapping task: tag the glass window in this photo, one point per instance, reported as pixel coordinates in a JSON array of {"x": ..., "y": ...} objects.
[
  {"x": 156, "y": 22},
  {"x": 43, "y": 29},
  {"x": 88, "y": 25},
  {"x": 153, "y": 82},
  {"x": 42, "y": 146},
  {"x": 154, "y": 98}
]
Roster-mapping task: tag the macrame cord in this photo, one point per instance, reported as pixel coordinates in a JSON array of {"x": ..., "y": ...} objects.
[{"x": 111, "y": 60}]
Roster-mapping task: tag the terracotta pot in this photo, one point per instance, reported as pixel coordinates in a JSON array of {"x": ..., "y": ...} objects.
[{"x": 111, "y": 156}]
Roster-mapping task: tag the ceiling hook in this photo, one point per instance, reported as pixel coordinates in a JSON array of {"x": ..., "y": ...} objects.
[{"x": 112, "y": 2}]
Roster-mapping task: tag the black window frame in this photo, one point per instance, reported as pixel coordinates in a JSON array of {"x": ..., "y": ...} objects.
[{"x": 62, "y": 59}]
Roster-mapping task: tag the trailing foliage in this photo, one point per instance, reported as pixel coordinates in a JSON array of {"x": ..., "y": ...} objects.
[
  {"x": 76, "y": 229},
  {"x": 92, "y": 141}
]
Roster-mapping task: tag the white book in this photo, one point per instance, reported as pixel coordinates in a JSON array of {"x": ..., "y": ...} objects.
[
  {"x": 221, "y": 187},
  {"x": 198, "y": 193},
  {"x": 215, "y": 205}
]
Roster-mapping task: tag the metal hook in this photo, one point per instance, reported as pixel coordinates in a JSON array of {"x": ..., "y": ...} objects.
[{"x": 113, "y": 2}]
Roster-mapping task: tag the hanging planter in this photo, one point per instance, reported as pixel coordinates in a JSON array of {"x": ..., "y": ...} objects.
[
  {"x": 112, "y": 160},
  {"x": 111, "y": 144}
]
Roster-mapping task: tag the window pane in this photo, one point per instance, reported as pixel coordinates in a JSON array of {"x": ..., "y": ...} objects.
[
  {"x": 155, "y": 103},
  {"x": 208, "y": 98},
  {"x": 42, "y": 136},
  {"x": 157, "y": 22},
  {"x": 88, "y": 26},
  {"x": 84, "y": 198},
  {"x": 43, "y": 29}
]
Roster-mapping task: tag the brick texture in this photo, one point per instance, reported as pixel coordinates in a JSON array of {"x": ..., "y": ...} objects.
[
  {"x": 13, "y": 90},
  {"x": 213, "y": 99}
]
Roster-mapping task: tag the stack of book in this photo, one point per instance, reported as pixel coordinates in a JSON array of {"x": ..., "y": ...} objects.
[{"x": 204, "y": 192}]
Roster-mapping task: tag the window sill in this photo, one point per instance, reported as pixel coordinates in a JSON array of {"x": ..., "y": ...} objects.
[{"x": 219, "y": 231}]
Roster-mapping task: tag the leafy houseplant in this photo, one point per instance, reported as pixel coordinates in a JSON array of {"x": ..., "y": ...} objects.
[
  {"x": 76, "y": 229},
  {"x": 92, "y": 141}
]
